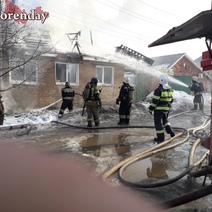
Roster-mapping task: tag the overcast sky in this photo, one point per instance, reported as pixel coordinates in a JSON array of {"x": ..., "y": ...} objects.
[{"x": 133, "y": 23}]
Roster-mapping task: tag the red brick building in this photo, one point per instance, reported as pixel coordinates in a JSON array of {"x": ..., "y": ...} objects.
[{"x": 181, "y": 67}]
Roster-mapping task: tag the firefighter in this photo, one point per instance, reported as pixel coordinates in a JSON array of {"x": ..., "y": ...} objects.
[
  {"x": 91, "y": 96},
  {"x": 125, "y": 98},
  {"x": 67, "y": 97},
  {"x": 1, "y": 111},
  {"x": 161, "y": 103},
  {"x": 197, "y": 88}
]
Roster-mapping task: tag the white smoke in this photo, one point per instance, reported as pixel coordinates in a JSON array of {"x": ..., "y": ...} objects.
[{"x": 135, "y": 24}]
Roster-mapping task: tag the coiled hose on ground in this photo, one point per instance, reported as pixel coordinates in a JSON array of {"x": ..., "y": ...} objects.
[{"x": 158, "y": 148}]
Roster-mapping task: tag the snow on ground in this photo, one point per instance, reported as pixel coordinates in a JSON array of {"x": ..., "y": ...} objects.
[{"x": 182, "y": 102}]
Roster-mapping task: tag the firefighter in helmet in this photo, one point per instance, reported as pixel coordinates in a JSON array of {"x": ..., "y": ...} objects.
[
  {"x": 91, "y": 96},
  {"x": 125, "y": 98},
  {"x": 161, "y": 103},
  {"x": 197, "y": 88},
  {"x": 68, "y": 94}
]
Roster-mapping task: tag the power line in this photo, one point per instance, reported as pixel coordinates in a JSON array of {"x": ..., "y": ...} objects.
[
  {"x": 135, "y": 15},
  {"x": 161, "y": 10}
]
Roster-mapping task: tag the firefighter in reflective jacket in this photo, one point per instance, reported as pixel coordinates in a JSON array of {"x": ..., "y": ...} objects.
[
  {"x": 197, "y": 88},
  {"x": 91, "y": 96},
  {"x": 67, "y": 97},
  {"x": 125, "y": 97},
  {"x": 161, "y": 103}
]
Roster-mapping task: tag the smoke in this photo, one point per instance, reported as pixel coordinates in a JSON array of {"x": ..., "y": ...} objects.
[{"x": 135, "y": 24}]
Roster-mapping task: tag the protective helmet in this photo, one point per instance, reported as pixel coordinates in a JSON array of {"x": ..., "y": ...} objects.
[
  {"x": 195, "y": 78},
  {"x": 163, "y": 80},
  {"x": 94, "y": 81},
  {"x": 67, "y": 84},
  {"x": 126, "y": 80}
]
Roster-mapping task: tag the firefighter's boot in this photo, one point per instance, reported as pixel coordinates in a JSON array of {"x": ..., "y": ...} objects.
[
  {"x": 121, "y": 121},
  {"x": 89, "y": 124},
  {"x": 160, "y": 138}
]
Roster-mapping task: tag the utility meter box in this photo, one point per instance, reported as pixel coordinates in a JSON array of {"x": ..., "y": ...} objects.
[{"x": 206, "y": 62}]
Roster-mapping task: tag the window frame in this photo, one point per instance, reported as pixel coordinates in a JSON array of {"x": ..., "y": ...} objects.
[
  {"x": 103, "y": 70},
  {"x": 66, "y": 77},
  {"x": 24, "y": 81}
]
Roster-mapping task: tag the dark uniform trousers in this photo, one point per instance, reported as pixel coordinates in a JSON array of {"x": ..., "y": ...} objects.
[
  {"x": 66, "y": 104},
  {"x": 124, "y": 111},
  {"x": 161, "y": 122},
  {"x": 198, "y": 101}
]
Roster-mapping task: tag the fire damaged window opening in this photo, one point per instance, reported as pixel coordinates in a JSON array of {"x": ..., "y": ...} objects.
[
  {"x": 105, "y": 75},
  {"x": 26, "y": 74},
  {"x": 67, "y": 72}
]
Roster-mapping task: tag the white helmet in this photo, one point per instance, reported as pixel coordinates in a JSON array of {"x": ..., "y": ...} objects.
[
  {"x": 126, "y": 80},
  {"x": 163, "y": 80},
  {"x": 195, "y": 78}
]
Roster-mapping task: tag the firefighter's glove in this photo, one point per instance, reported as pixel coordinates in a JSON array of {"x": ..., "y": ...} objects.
[
  {"x": 117, "y": 101},
  {"x": 150, "y": 111}
]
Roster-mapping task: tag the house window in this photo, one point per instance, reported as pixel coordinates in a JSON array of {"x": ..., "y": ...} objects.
[
  {"x": 104, "y": 75},
  {"x": 23, "y": 73},
  {"x": 67, "y": 72},
  {"x": 132, "y": 77}
]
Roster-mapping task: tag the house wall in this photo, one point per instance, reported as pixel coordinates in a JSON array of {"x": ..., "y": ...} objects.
[
  {"x": 189, "y": 69},
  {"x": 46, "y": 92},
  {"x": 109, "y": 93}
]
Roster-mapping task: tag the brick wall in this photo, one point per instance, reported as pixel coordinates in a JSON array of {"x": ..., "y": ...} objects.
[
  {"x": 189, "y": 69},
  {"x": 46, "y": 92}
]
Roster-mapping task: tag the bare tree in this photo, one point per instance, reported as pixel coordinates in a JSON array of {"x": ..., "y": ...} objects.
[{"x": 20, "y": 47}]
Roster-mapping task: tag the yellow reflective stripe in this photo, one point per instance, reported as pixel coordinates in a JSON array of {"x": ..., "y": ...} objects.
[
  {"x": 167, "y": 93},
  {"x": 156, "y": 97},
  {"x": 166, "y": 124},
  {"x": 68, "y": 98},
  {"x": 153, "y": 105},
  {"x": 162, "y": 108},
  {"x": 159, "y": 131},
  {"x": 68, "y": 89},
  {"x": 166, "y": 99}
]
